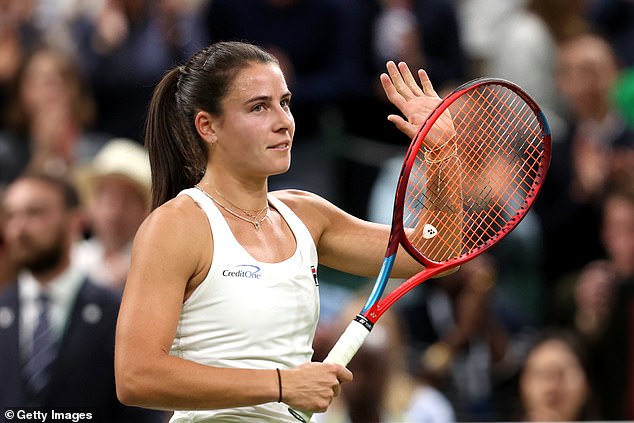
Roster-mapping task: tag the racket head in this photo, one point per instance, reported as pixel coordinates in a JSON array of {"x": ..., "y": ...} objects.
[{"x": 497, "y": 143}]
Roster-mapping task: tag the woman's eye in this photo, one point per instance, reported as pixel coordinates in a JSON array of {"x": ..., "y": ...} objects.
[{"x": 258, "y": 107}]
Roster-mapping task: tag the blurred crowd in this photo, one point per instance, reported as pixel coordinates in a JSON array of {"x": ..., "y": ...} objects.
[{"x": 539, "y": 328}]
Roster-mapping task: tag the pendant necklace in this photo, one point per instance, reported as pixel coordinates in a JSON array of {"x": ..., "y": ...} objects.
[
  {"x": 254, "y": 218},
  {"x": 253, "y": 214}
]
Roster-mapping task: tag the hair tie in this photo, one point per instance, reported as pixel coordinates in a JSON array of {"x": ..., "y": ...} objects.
[{"x": 279, "y": 384}]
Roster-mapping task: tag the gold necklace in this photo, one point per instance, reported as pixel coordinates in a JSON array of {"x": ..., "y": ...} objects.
[
  {"x": 252, "y": 213},
  {"x": 254, "y": 220}
]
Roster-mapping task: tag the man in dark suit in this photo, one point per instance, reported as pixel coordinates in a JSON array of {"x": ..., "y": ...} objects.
[{"x": 56, "y": 327}]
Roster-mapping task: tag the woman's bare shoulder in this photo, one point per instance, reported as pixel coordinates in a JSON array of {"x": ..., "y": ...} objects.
[
  {"x": 316, "y": 212},
  {"x": 299, "y": 199},
  {"x": 179, "y": 219}
]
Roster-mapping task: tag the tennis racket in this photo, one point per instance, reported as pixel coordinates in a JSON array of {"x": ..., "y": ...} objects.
[{"x": 470, "y": 175}]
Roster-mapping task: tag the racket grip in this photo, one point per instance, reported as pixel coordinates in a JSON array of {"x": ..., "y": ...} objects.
[
  {"x": 343, "y": 351},
  {"x": 350, "y": 341}
]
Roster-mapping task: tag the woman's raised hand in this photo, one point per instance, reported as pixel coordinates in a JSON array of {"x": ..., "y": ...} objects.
[{"x": 413, "y": 100}]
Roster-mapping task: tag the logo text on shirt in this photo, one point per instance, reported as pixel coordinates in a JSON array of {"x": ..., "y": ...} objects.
[{"x": 248, "y": 271}]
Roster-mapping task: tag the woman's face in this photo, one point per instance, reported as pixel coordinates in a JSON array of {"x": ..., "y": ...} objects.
[
  {"x": 586, "y": 72},
  {"x": 255, "y": 132},
  {"x": 44, "y": 84},
  {"x": 553, "y": 384}
]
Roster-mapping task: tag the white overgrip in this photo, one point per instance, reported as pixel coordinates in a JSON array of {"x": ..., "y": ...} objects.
[{"x": 348, "y": 344}]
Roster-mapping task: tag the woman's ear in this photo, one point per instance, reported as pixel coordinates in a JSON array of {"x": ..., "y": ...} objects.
[{"x": 204, "y": 125}]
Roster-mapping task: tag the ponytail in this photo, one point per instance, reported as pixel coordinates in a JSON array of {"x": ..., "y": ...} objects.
[{"x": 177, "y": 156}]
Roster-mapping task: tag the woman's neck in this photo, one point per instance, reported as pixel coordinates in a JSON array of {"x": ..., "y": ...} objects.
[{"x": 242, "y": 195}]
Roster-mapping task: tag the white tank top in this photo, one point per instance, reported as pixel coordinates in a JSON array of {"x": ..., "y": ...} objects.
[{"x": 249, "y": 314}]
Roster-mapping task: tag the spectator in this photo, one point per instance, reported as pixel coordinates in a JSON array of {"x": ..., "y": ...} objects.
[
  {"x": 57, "y": 331},
  {"x": 595, "y": 302},
  {"x": 584, "y": 161},
  {"x": 50, "y": 114},
  {"x": 118, "y": 199},
  {"x": 614, "y": 371},
  {"x": 554, "y": 384}
]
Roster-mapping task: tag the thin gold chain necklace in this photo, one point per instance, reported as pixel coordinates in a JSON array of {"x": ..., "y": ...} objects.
[
  {"x": 252, "y": 213},
  {"x": 254, "y": 221}
]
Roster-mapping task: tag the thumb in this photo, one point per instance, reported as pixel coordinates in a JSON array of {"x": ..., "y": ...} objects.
[{"x": 403, "y": 125}]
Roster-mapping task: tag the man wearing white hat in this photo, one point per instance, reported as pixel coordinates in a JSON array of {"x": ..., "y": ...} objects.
[{"x": 118, "y": 190}]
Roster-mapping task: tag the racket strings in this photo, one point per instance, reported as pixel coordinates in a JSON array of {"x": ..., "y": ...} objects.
[{"x": 496, "y": 167}]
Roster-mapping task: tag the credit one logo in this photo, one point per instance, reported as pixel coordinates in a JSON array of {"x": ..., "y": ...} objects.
[{"x": 243, "y": 271}]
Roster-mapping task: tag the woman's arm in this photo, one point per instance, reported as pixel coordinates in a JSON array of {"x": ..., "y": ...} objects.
[
  {"x": 171, "y": 253},
  {"x": 344, "y": 242}
]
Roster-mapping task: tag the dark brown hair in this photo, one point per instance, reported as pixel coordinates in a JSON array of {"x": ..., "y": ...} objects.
[
  {"x": 65, "y": 187},
  {"x": 178, "y": 155}
]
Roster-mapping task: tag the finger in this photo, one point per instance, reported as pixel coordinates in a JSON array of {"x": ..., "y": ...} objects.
[
  {"x": 428, "y": 88},
  {"x": 403, "y": 125},
  {"x": 397, "y": 80},
  {"x": 391, "y": 92},
  {"x": 409, "y": 79},
  {"x": 343, "y": 374}
]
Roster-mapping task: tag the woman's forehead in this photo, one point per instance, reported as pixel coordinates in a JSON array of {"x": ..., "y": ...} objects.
[{"x": 258, "y": 79}]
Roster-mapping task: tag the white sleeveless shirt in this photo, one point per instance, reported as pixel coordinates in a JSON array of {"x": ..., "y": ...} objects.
[{"x": 249, "y": 314}]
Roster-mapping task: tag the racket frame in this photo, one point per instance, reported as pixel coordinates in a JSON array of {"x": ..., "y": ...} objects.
[{"x": 376, "y": 305}]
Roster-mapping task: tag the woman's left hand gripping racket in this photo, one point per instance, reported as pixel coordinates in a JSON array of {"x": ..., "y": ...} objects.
[{"x": 469, "y": 177}]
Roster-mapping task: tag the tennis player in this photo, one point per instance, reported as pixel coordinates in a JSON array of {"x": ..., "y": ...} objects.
[{"x": 222, "y": 299}]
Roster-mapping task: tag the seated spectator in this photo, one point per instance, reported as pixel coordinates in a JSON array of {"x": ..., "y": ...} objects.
[{"x": 118, "y": 198}]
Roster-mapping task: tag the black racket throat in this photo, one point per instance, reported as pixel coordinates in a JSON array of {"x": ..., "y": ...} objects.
[{"x": 359, "y": 318}]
